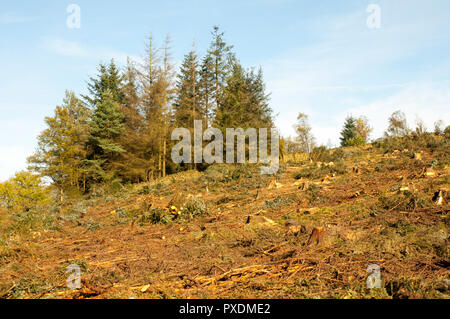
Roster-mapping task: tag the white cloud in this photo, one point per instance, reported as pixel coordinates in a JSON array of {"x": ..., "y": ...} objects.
[
  {"x": 76, "y": 49},
  {"x": 10, "y": 18},
  {"x": 427, "y": 101},
  {"x": 350, "y": 69}
]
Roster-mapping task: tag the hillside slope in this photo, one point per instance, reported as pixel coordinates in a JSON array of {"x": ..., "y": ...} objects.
[{"x": 311, "y": 231}]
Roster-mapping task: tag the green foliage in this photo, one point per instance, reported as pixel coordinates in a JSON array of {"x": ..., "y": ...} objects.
[
  {"x": 447, "y": 132},
  {"x": 187, "y": 107},
  {"x": 349, "y": 134},
  {"x": 23, "y": 192},
  {"x": 62, "y": 146},
  {"x": 244, "y": 102},
  {"x": 322, "y": 154},
  {"x": 219, "y": 60},
  {"x": 108, "y": 79},
  {"x": 322, "y": 171},
  {"x": 277, "y": 202},
  {"x": 107, "y": 125},
  {"x": 195, "y": 207},
  {"x": 156, "y": 216},
  {"x": 121, "y": 132}
]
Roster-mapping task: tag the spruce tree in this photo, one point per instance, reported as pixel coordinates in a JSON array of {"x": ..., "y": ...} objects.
[
  {"x": 149, "y": 75},
  {"x": 206, "y": 89},
  {"x": 167, "y": 91},
  {"x": 187, "y": 102},
  {"x": 136, "y": 162},
  {"x": 349, "y": 134},
  {"x": 106, "y": 127},
  {"x": 244, "y": 102},
  {"x": 221, "y": 59},
  {"x": 108, "y": 79}
]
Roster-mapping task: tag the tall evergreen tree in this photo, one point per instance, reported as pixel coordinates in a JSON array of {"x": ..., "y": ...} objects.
[
  {"x": 136, "y": 162},
  {"x": 107, "y": 99},
  {"x": 206, "y": 88},
  {"x": 349, "y": 134},
  {"x": 108, "y": 79},
  {"x": 219, "y": 61},
  {"x": 167, "y": 91},
  {"x": 106, "y": 127},
  {"x": 244, "y": 102},
  {"x": 187, "y": 106},
  {"x": 149, "y": 75}
]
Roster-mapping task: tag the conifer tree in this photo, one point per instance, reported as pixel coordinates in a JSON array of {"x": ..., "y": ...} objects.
[
  {"x": 149, "y": 81},
  {"x": 220, "y": 60},
  {"x": 108, "y": 79},
  {"x": 206, "y": 89},
  {"x": 166, "y": 84},
  {"x": 244, "y": 102},
  {"x": 187, "y": 103},
  {"x": 349, "y": 134},
  {"x": 106, "y": 127},
  {"x": 136, "y": 162}
]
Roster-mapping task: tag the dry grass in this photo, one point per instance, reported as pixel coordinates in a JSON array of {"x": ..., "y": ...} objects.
[{"x": 134, "y": 245}]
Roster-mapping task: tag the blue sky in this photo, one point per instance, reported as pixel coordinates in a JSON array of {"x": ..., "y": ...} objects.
[{"x": 319, "y": 57}]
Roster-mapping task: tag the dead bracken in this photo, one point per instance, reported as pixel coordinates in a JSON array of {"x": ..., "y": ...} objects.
[{"x": 242, "y": 238}]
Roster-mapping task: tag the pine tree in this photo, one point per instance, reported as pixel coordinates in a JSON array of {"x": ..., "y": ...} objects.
[
  {"x": 106, "y": 128},
  {"x": 220, "y": 59},
  {"x": 187, "y": 103},
  {"x": 62, "y": 146},
  {"x": 106, "y": 98},
  {"x": 166, "y": 83},
  {"x": 136, "y": 162},
  {"x": 149, "y": 75},
  {"x": 108, "y": 79},
  {"x": 349, "y": 134},
  {"x": 244, "y": 102},
  {"x": 206, "y": 89}
]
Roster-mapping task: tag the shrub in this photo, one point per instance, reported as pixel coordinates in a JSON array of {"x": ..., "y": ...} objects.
[
  {"x": 447, "y": 132},
  {"x": 277, "y": 202},
  {"x": 313, "y": 172},
  {"x": 156, "y": 216},
  {"x": 322, "y": 154},
  {"x": 195, "y": 207},
  {"x": 23, "y": 192}
]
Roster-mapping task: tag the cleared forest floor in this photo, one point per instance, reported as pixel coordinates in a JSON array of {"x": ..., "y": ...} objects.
[{"x": 311, "y": 231}]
